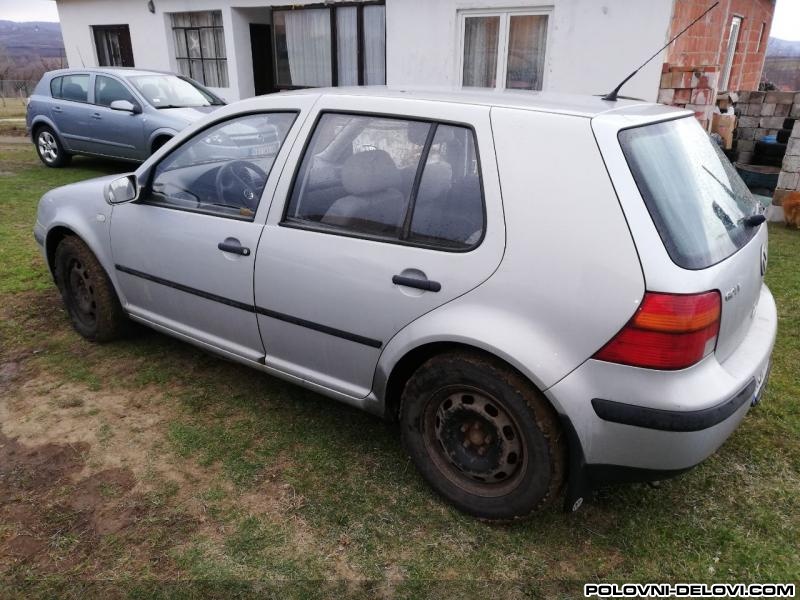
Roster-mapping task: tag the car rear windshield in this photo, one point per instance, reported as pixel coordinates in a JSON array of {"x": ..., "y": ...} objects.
[{"x": 695, "y": 196}]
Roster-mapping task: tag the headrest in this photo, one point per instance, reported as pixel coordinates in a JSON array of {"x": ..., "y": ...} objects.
[
  {"x": 72, "y": 91},
  {"x": 436, "y": 180},
  {"x": 369, "y": 172}
]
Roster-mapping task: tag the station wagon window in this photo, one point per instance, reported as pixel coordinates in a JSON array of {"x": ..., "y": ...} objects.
[
  {"x": 200, "y": 46},
  {"x": 391, "y": 179},
  {"x": 108, "y": 89},
  {"x": 71, "y": 87},
  {"x": 223, "y": 169}
]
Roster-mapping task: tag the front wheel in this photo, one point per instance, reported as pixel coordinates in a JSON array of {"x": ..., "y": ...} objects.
[
  {"x": 87, "y": 292},
  {"x": 482, "y": 436},
  {"x": 50, "y": 149}
]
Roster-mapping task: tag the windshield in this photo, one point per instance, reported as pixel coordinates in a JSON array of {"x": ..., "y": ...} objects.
[
  {"x": 170, "y": 91},
  {"x": 695, "y": 196}
]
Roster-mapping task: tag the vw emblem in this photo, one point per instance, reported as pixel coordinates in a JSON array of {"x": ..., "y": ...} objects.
[
  {"x": 248, "y": 194},
  {"x": 763, "y": 260}
]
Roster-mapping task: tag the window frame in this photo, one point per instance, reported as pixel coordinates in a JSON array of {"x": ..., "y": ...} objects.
[
  {"x": 99, "y": 31},
  {"x": 203, "y": 59},
  {"x": 332, "y": 22},
  {"x": 505, "y": 15},
  {"x": 151, "y": 172},
  {"x": 302, "y": 224},
  {"x": 730, "y": 51}
]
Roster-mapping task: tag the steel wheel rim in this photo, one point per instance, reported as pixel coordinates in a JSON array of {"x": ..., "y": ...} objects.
[
  {"x": 48, "y": 147},
  {"x": 474, "y": 441},
  {"x": 82, "y": 295}
]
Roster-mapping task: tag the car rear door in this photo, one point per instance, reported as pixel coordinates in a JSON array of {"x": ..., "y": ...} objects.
[
  {"x": 390, "y": 209},
  {"x": 71, "y": 110}
]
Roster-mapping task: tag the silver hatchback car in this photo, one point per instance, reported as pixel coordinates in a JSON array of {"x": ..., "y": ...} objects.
[
  {"x": 119, "y": 113},
  {"x": 546, "y": 291}
]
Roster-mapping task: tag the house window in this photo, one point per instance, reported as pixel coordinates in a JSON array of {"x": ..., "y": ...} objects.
[
  {"x": 200, "y": 47},
  {"x": 733, "y": 40},
  {"x": 344, "y": 45},
  {"x": 504, "y": 49},
  {"x": 761, "y": 36},
  {"x": 113, "y": 44}
]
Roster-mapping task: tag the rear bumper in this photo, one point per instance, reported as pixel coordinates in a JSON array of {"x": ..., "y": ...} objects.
[{"x": 627, "y": 423}]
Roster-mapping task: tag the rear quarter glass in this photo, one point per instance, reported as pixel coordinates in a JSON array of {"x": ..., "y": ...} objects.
[{"x": 694, "y": 195}]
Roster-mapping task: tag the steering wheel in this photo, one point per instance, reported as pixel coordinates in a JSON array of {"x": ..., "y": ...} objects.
[{"x": 238, "y": 184}]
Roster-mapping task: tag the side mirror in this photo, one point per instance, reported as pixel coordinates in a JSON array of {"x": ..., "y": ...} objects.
[
  {"x": 126, "y": 106},
  {"x": 121, "y": 190}
]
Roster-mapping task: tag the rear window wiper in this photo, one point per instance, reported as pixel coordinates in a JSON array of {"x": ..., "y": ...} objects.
[{"x": 753, "y": 220}]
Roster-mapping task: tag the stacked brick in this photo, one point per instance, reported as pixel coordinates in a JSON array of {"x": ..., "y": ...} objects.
[
  {"x": 693, "y": 88},
  {"x": 760, "y": 114},
  {"x": 789, "y": 179}
]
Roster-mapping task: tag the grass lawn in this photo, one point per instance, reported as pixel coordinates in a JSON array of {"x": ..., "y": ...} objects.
[
  {"x": 147, "y": 462},
  {"x": 12, "y": 116}
]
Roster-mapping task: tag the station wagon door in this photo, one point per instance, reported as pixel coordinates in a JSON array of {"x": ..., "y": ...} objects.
[{"x": 389, "y": 210}]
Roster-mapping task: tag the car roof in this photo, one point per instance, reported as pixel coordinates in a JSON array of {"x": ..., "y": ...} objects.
[
  {"x": 118, "y": 71},
  {"x": 553, "y": 102}
]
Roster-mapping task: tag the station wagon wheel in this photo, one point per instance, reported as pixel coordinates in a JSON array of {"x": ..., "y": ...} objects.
[
  {"x": 482, "y": 436},
  {"x": 49, "y": 148},
  {"x": 87, "y": 292}
]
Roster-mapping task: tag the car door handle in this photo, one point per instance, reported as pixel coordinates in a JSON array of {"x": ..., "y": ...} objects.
[
  {"x": 96, "y": 116},
  {"x": 421, "y": 284},
  {"x": 57, "y": 109},
  {"x": 234, "y": 247}
]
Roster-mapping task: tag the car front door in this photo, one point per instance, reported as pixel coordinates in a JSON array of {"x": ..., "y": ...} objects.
[
  {"x": 184, "y": 251},
  {"x": 116, "y": 132},
  {"x": 393, "y": 210},
  {"x": 71, "y": 111}
]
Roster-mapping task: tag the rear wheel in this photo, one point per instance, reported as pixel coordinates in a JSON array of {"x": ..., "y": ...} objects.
[
  {"x": 49, "y": 148},
  {"x": 482, "y": 436},
  {"x": 88, "y": 294}
]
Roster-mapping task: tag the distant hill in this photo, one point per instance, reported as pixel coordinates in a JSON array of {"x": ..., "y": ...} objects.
[
  {"x": 32, "y": 39},
  {"x": 779, "y": 48},
  {"x": 782, "y": 64}
]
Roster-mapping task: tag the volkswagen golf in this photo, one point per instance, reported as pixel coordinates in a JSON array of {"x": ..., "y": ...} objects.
[{"x": 547, "y": 292}]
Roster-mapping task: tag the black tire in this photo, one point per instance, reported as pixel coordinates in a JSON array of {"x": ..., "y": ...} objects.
[
  {"x": 50, "y": 149},
  {"x": 89, "y": 297},
  {"x": 783, "y": 136},
  {"x": 482, "y": 436},
  {"x": 788, "y": 123},
  {"x": 158, "y": 143}
]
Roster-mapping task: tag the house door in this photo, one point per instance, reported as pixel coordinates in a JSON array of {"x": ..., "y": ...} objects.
[{"x": 261, "y": 43}]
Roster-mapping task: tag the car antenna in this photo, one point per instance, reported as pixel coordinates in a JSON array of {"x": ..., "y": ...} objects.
[
  {"x": 79, "y": 56},
  {"x": 612, "y": 95}
]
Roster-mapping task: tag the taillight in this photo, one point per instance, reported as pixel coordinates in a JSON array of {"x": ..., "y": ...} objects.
[{"x": 668, "y": 331}]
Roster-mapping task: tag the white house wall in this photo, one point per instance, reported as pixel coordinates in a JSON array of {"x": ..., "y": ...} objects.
[{"x": 592, "y": 44}]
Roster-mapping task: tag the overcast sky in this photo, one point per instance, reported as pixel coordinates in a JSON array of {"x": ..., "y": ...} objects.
[{"x": 786, "y": 24}]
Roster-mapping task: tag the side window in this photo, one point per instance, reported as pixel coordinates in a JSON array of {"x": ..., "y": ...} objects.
[
  {"x": 223, "y": 169},
  {"x": 449, "y": 204},
  {"x": 358, "y": 176},
  {"x": 74, "y": 87},
  {"x": 107, "y": 90},
  {"x": 55, "y": 87}
]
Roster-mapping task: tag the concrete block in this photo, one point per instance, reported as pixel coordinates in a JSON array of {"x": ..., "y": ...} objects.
[
  {"x": 795, "y": 112},
  {"x": 772, "y": 132},
  {"x": 789, "y": 181},
  {"x": 793, "y": 147},
  {"x": 745, "y": 145},
  {"x": 796, "y": 130},
  {"x": 767, "y": 110},
  {"x": 756, "y": 97},
  {"x": 703, "y": 96},
  {"x": 744, "y": 157},
  {"x": 791, "y": 164},
  {"x": 666, "y": 80},
  {"x": 759, "y": 133},
  {"x": 744, "y": 97},
  {"x": 747, "y": 122},
  {"x": 666, "y": 96},
  {"x": 779, "y": 97},
  {"x": 782, "y": 110},
  {"x": 682, "y": 96},
  {"x": 745, "y": 133},
  {"x": 771, "y": 122},
  {"x": 796, "y": 98},
  {"x": 754, "y": 110},
  {"x": 704, "y": 80}
]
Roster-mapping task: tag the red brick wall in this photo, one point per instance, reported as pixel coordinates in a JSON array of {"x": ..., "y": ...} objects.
[{"x": 706, "y": 43}]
